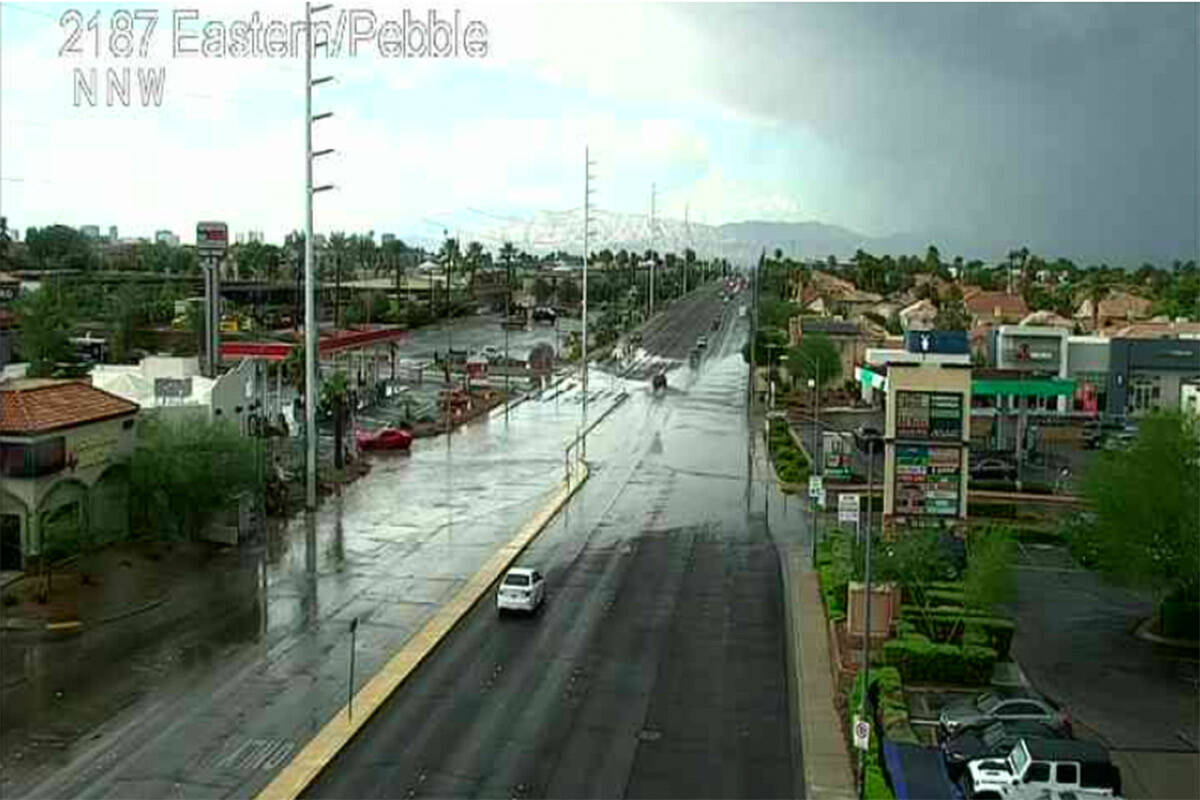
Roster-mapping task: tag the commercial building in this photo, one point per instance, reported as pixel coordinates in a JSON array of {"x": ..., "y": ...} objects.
[
  {"x": 1088, "y": 364},
  {"x": 1150, "y": 374},
  {"x": 63, "y": 454},
  {"x": 166, "y": 237},
  {"x": 1031, "y": 351}
]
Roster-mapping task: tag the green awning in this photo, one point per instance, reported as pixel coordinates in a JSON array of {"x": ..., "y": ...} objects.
[{"x": 1036, "y": 387}]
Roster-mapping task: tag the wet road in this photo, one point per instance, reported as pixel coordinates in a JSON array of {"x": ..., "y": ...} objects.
[
  {"x": 210, "y": 694},
  {"x": 656, "y": 668}
]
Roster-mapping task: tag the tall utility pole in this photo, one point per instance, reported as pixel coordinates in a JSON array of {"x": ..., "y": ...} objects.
[
  {"x": 587, "y": 225},
  {"x": 653, "y": 238},
  {"x": 310, "y": 321},
  {"x": 687, "y": 228}
]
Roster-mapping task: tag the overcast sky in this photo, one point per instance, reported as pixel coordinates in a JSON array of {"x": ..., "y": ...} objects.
[{"x": 1069, "y": 128}]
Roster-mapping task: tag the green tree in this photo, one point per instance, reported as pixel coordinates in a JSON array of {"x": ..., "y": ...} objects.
[
  {"x": 4, "y": 241},
  {"x": 815, "y": 357},
  {"x": 334, "y": 393},
  {"x": 1147, "y": 504},
  {"x": 184, "y": 471},
  {"x": 124, "y": 316},
  {"x": 43, "y": 339}
]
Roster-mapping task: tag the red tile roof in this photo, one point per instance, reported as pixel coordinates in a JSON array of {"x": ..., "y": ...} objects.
[
  {"x": 37, "y": 406},
  {"x": 996, "y": 305}
]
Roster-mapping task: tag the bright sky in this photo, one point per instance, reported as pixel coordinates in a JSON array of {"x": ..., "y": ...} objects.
[{"x": 1027, "y": 122}]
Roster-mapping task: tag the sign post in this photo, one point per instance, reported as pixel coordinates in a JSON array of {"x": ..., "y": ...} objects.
[
  {"x": 212, "y": 242},
  {"x": 848, "y": 512},
  {"x": 862, "y": 733}
]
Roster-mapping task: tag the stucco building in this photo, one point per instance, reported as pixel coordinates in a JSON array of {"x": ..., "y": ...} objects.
[{"x": 64, "y": 448}]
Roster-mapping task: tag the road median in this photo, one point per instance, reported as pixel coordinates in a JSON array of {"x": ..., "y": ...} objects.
[{"x": 337, "y": 733}]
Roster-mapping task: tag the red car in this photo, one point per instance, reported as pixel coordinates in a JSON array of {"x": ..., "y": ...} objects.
[{"x": 384, "y": 439}]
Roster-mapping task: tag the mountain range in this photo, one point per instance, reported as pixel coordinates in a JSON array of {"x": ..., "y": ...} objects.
[{"x": 740, "y": 242}]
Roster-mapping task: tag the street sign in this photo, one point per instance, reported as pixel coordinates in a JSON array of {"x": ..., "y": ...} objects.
[
  {"x": 848, "y": 508},
  {"x": 814, "y": 486},
  {"x": 821, "y": 498},
  {"x": 212, "y": 238},
  {"x": 862, "y": 733}
]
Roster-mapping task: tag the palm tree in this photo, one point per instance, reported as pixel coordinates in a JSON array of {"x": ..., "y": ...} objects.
[
  {"x": 449, "y": 256},
  {"x": 473, "y": 259},
  {"x": 334, "y": 393},
  {"x": 338, "y": 244},
  {"x": 1096, "y": 288}
]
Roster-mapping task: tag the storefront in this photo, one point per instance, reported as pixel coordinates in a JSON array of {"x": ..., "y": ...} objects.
[
  {"x": 1034, "y": 351},
  {"x": 1149, "y": 374},
  {"x": 63, "y": 452}
]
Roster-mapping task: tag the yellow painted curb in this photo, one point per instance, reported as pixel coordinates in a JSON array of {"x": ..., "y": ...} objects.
[
  {"x": 64, "y": 626},
  {"x": 321, "y": 749}
]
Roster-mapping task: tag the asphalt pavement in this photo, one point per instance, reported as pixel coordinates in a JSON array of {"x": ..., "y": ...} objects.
[
  {"x": 656, "y": 578},
  {"x": 656, "y": 668}
]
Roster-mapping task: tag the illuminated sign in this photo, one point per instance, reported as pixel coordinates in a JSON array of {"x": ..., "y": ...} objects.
[
  {"x": 929, "y": 415},
  {"x": 212, "y": 238},
  {"x": 928, "y": 480}
]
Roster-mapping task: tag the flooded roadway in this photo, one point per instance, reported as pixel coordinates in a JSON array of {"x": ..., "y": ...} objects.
[{"x": 215, "y": 702}]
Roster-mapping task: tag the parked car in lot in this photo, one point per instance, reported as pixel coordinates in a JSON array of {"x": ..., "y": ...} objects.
[
  {"x": 384, "y": 439},
  {"x": 1038, "y": 767},
  {"x": 990, "y": 740},
  {"x": 993, "y": 469},
  {"x": 660, "y": 381},
  {"x": 1097, "y": 431},
  {"x": 544, "y": 314},
  {"x": 1004, "y": 705},
  {"x": 702, "y": 342},
  {"x": 523, "y": 589}
]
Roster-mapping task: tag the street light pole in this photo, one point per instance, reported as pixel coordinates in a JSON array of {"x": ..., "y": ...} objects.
[{"x": 310, "y": 321}]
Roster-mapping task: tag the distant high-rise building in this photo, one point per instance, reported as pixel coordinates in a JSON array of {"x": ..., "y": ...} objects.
[
  {"x": 166, "y": 237},
  {"x": 90, "y": 231},
  {"x": 112, "y": 233},
  {"x": 246, "y": 237}
]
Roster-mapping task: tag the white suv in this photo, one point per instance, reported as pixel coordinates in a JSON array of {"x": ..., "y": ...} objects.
[
  {"x": 522, "y": 589},
  {"x": 1039, "y": 767}
]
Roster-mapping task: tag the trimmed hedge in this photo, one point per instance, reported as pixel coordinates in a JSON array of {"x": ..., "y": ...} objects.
[
  {"x": 946, "y": 622},
  {"x": 924, "y": 661},
  {"x": 1180, "y": 619}
]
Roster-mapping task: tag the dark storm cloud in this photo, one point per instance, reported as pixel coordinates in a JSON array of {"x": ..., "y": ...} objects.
[{"x": 1070, "y": 128}]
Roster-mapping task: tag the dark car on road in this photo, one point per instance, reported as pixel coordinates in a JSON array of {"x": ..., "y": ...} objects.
[
  {"x": 991, "y": 740},
  {"x": 993, "y": 469},
  {"x": 865, "y": 433},
  {"x": 1004, "y": 705},
  {"x": 544, "y": 314}
]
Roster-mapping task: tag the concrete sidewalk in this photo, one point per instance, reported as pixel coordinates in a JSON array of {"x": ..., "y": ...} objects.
[
  {"x": 827, "y": 760},
  {"x": 825, "y": 757}
]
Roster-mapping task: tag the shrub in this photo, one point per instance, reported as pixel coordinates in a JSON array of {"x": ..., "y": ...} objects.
[
  {"x": 925, "y": 661},
  {"x": 875, "y": 785},
  {"x": 949, "y": 624},
  {"x": 1180, "y": 619}
]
